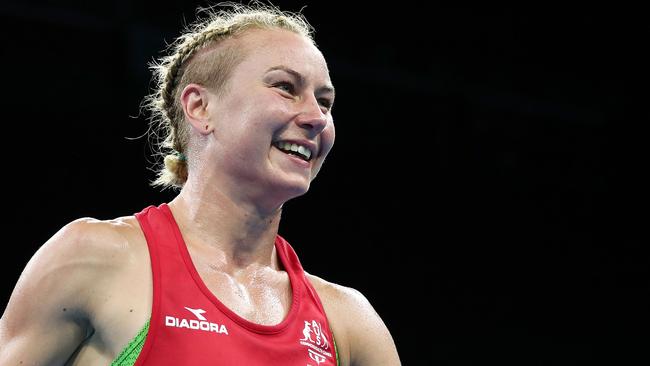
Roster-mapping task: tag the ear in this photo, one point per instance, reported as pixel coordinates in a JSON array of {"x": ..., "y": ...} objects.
[{"x": 194, "y": 100}]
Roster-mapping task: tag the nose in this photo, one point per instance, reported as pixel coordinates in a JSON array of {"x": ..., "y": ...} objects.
[{"x": 311, "y": 116}]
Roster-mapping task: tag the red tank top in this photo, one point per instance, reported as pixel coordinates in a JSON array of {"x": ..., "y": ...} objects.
[{"x": 190, "y": 326}]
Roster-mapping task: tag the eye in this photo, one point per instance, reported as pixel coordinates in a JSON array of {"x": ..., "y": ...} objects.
[
  {"x": 325, "y": 102},
  {"x": 285, "y": 86}
]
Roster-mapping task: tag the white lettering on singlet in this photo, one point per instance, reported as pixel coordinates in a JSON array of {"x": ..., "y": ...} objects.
[{"x": 192, "y": 324}]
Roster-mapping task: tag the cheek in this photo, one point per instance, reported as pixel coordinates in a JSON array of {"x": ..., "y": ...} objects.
[
  {"x": 266, "y": 112},
  {"x": 251, "y": 123},
  {"x": 327, "y": 138}
]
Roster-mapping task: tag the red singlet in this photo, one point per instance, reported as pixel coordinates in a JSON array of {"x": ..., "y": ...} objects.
[{"x": 190, "y": 326}]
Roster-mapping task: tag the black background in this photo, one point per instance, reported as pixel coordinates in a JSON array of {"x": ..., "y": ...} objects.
[{"x": 485, "y": 191}]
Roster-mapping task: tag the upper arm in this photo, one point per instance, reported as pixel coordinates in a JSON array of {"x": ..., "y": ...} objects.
[
  {"x": 361, "y": 335},
  {"x": 46, "y": 317},
  {"x": 369, "y": 339}
]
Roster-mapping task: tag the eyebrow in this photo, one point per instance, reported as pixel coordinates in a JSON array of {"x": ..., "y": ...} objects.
[{"x": 301, "y": 79}]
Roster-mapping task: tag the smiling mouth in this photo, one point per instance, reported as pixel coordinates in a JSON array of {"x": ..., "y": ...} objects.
[{"x": 294, "y": 149}]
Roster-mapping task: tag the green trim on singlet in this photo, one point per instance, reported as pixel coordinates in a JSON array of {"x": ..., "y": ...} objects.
[
  {"x": 130, "y": 353},
  {"x": 336, "y": 351}
]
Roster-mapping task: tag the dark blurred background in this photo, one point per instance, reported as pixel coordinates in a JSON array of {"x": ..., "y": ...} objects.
[{"x": 485, "y": 191}]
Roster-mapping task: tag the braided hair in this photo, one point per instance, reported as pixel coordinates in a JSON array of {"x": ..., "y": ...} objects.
[{"x": 185, "y": 64}]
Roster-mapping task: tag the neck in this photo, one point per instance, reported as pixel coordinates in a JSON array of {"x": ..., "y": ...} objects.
[{"x": 236, "y": 233}]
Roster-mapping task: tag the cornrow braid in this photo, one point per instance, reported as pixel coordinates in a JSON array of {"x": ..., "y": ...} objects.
[
  {"x": 179, "y": 60},
  {"x": 168, "y": 132}
]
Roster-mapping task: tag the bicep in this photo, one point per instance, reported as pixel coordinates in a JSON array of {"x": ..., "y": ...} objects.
[
  {"x": 43, "y": 322},
  {"x": 37, "y": 341},
  {"x": 35, "y": 329},
  {"x": 371, "y": 343}
]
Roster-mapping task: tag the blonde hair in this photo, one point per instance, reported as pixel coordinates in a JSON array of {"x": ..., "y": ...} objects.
[{"x": 183, "y": 66}]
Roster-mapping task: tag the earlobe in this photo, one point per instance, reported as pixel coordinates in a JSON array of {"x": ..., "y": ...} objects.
[{"x": 194, "y": 100}]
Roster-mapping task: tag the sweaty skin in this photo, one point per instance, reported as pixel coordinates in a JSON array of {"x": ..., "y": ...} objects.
[{"x": 88, "y": 290}]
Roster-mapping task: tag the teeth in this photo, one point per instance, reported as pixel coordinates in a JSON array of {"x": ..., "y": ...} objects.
[
  {"x": 287, "y": 146},
  {"x": 304, "y": 151}
]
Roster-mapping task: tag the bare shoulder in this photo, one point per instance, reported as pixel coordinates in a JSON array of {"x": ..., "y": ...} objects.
[
  {"x": 361, "y": 334},
  {"x": 93, "y": 234},
  {"x": 82, "y": 251},
  {"x": 62, "y": 285},
  {"x": 339, "y": 296},
  {"x": 89, "y": 236},
  {"x": 86, "y": 245}
]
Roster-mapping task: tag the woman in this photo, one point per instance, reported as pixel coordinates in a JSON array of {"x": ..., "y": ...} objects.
[{"x": 244, "y": 102}]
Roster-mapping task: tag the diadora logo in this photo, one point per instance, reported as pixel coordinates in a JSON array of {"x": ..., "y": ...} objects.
[
  {"x": 201, "y": 324},
  {"x": 315, "y": 337},
  {"x": 197, "y": 313}
]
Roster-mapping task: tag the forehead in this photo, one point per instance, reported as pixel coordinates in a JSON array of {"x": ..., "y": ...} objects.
[{"x": 266, "y": 48}]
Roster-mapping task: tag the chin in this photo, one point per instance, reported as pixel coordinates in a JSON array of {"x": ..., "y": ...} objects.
[
  {"x": 298, "y": 191},
  {"x": 286, "y": 187},
  {"x": 291, "y": 191}
]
